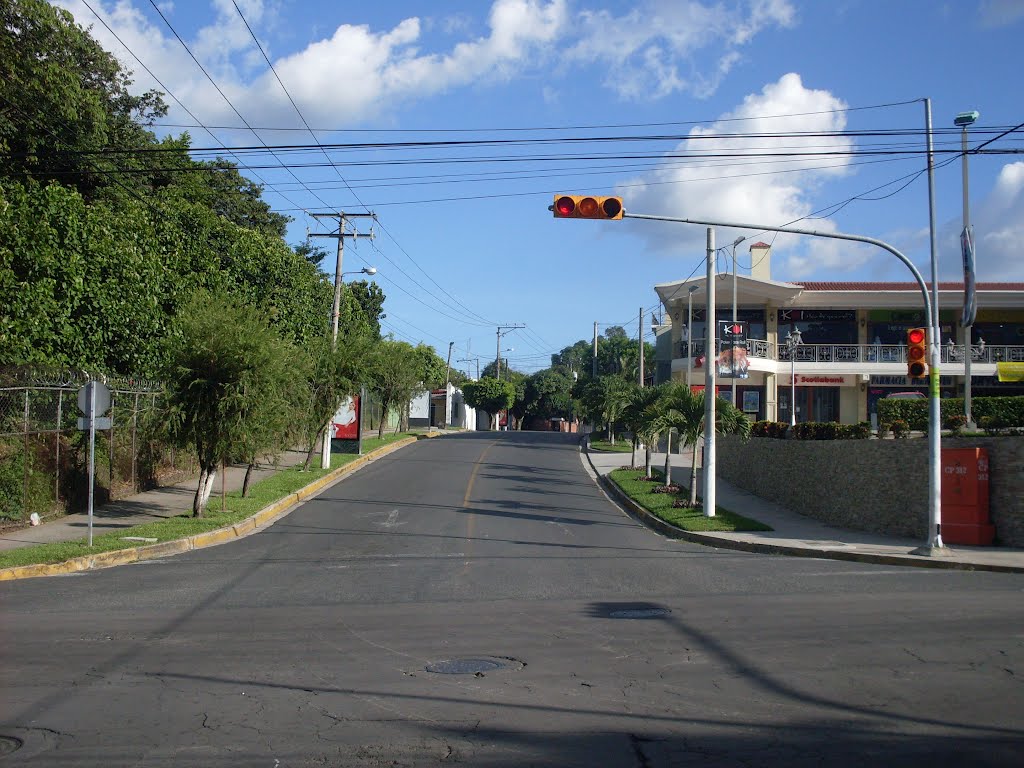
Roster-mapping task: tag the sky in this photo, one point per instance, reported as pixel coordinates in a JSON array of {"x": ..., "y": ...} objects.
[{"x": 456, "y": 123}]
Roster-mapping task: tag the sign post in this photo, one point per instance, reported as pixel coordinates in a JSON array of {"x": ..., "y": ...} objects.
[{"x": 93, "y": 400}]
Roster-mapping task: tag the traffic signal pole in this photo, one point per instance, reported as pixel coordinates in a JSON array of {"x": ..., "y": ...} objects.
[{"x": 934, "y": 545}]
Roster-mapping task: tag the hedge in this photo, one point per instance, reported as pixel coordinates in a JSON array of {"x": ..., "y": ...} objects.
[
  {"x": 812, "y": 430},
  {"x": 993, "y": 412}
]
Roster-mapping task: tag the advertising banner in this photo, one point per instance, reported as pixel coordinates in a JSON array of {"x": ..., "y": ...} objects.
[
  {"x": 345, "y": 423},
  {"x": 732, "y": 351}
]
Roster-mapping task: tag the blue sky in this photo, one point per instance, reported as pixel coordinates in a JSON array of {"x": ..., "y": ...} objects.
[{"x": 465, "y": 240}]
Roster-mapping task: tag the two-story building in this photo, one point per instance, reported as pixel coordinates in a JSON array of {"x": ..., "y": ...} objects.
[{"x": 853, "y": 335}]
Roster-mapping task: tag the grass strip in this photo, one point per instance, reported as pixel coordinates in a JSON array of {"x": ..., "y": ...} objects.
[
  {"x": 687, "y": 518},
  {"x": 604, "y": 445},
  {"x": 261, "y": 494}
]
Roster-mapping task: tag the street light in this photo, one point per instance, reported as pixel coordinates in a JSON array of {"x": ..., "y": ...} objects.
[
  {"x": 689, "y": 328},
  {"x": 963, "y": 120},
  {"x": 793, "y": 340},
  {"x": 363, "y": 271}
]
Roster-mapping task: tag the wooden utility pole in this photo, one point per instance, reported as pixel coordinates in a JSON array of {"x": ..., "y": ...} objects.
[{"x": 340, "y": 235}]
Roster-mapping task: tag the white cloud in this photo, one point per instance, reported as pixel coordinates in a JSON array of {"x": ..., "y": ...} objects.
[
  {"x": 999, "y": 227},
  {"x": 1001, "y": 13},
  {"x": 357, "y": 72},
  {"x": 754, "y": 192},
  {"x": 645, "y": 50}
]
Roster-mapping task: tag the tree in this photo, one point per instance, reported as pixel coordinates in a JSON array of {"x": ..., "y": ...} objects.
[
  {"x": 63, "y": 97},
  {"x": 336, "y": 371},
  {"x": 612, "y": 395},
  {"x": 548, "y": 394},
  {"x": 227, "y": 376},
  {"x": 432, "y": 367},
  {"x": 396, "y": 376},
  {"x": 489, "y": 395},
  {"x": 639, "y": 418},
  {"x": 517, "y": 411},
  {"x": 370, "y": 300},
  {"x": 682, "y": 409}
]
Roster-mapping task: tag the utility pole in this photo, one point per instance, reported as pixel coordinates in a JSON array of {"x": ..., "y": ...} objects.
[
  {"x": 340, "y": 235},
  {"x": 502, "y": 330},
  {"x": 593, "y": 370},
  {"x": 447, "y": 380},
  {"x": 640, "y": 334},
  {"x": 470, "y": 360}
]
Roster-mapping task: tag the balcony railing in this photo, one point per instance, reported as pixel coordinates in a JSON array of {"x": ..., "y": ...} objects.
[{"x": 865, "y": 353}]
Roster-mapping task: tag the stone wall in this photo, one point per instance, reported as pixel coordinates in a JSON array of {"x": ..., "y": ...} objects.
[{"x": 860, "y": 484}]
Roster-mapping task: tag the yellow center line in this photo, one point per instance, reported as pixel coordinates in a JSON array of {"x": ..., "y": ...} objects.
[{"x": 471, "y": 518}]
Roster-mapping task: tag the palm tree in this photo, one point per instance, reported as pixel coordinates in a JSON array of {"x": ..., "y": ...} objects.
[
  {"x": 613, "y": 395},
  {"x": 680, "y": 409},
  {"x": 638, "y": 417},
  {"x": 683, "y": 410}
]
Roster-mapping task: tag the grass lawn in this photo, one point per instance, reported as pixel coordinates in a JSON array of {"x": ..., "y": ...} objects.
[
  {"x": 689, "y": 519},
  {"x": 261, "y": 494},
  {"x": 622, "y": 446}
]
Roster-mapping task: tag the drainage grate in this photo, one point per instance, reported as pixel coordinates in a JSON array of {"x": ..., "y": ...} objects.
[
  {"x": 473, "y": 666},
  {"x": 627, "y": 610},
  {"x": 9, "y": 744}
]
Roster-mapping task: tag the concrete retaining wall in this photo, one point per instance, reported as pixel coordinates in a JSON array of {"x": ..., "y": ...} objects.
[{"x": 860, "y": 484}]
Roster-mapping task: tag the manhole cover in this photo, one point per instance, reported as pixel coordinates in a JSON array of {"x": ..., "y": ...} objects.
[
  {"x": 474, "y": 666},
  {"x": 639, "y": 613},
  {"x": 9, "y": 744}
]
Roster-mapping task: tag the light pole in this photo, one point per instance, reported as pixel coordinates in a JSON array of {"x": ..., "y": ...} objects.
[
  {"x": 965, "y": 119},
  {"x": 689, "y": 328},
  {"x": 793, "y": 340},
  {"x": 736, "y": 242}
]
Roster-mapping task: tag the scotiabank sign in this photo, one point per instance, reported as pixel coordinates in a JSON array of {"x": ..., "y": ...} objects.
[{"x": 820, "y": 380}]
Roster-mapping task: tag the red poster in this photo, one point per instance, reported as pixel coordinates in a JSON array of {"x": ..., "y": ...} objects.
[{"x": 345, "y": 423}]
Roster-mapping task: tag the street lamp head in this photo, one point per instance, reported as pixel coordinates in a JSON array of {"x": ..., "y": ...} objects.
[
  {"x": 694, "y": 289},
  {"x": 370, "y": 270},
  {"x": 966, "y": 118},
  {"x": 738, "y": 240}
]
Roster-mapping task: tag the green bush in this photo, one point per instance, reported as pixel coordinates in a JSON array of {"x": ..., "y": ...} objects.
[
  {"x": 1006, "y": 411},
  {"x": 900, "y": 428},
  {"x": 955, "y": 423},
  {"x": 776, "y": 429},
  {"x": 831, "y": 430}
]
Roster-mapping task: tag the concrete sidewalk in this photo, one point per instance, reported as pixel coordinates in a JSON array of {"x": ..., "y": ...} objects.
[
  {"x": 146, "y": 507},
  {"x": 797, "y": 535}
]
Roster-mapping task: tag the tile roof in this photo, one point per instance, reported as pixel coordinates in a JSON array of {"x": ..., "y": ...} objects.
[
  {"x": 760, "y": 245},
  {"x": 866, "y": 286}
]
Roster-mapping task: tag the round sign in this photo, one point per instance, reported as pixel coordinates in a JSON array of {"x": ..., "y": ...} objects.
[{"x": 102, "y": 398}]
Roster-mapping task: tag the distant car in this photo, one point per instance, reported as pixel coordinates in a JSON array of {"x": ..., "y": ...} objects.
[{"x": 906, "y": 396}]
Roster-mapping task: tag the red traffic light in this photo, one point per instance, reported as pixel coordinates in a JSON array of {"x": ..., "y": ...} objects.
[
  {"x": 587, "y": 207},
  {"x": 565, "y": 206},
  {"x": 917, "y": 353}
]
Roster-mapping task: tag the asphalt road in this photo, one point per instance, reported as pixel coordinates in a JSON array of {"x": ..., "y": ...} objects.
[{"x": 581, "y": 638}]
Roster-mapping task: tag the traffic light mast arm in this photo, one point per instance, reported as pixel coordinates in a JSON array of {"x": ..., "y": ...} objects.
[{"x": 934, "y": 338}]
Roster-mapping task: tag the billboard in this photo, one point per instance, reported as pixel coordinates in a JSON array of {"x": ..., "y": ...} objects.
[{"x": 345, "y": 422}]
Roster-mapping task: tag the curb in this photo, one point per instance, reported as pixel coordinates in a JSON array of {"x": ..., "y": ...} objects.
[
  {"x": 262, "y": 519},
  {"x": 641, "y": 515}
]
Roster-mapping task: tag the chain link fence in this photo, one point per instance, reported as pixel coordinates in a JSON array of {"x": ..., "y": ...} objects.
[{"x": 44, "y": 454}]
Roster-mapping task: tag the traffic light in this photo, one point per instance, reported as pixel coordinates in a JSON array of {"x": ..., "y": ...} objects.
[
  {"x": 917, "y": 353},
  {"x": 587, "y": 207}
]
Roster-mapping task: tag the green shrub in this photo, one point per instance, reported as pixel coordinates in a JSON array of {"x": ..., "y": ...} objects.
[
  {"x": 900, "y": 428},
  {"x": 1008, "y": 411},
  {"x": 955, "y": 423},
  {"x": 776, "y": 429}
]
